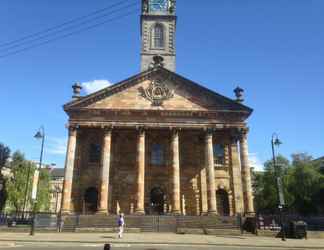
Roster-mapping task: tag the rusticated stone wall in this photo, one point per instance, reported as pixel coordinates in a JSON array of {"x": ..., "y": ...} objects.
[{"x": 123, "y": 170}]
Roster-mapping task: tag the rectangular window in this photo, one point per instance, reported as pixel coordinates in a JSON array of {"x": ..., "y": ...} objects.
[
  {"x": 219, "y": 154},
  {"x": 94, "y": 153},
  {"x": 158, "y": 37},
  {"x": 157, "y": 155}
]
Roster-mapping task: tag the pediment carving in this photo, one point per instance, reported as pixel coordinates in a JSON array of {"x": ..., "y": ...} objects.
[{"x": 157, "y": 92}]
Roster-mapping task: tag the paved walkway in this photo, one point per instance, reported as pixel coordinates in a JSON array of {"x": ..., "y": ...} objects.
[{"x": 161, "y": 238}]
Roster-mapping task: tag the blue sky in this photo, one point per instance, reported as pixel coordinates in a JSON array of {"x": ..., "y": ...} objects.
[{"x": 272, "y": 49}]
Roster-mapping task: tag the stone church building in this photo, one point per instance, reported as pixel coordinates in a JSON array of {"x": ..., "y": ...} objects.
[{"x": 157, "y": 143}]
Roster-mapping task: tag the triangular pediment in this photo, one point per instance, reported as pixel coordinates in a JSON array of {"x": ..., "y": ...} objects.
[{"x": 157, "y": 89}]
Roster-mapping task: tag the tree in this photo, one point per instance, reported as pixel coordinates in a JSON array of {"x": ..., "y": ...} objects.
[
  {"x": 301, "y": 158},
  {"x": 21, "y": 181},
  {"x": 305, "y": 185},
  {"x": 4, "y": 156},
  {"x": 265, "y": 185}
]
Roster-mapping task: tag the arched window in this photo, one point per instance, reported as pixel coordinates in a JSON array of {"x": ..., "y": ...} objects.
[
  {"x": 157, "y": 155},
  {"x": 219, "y": 154},
  {"x": 158, "y": 36}
]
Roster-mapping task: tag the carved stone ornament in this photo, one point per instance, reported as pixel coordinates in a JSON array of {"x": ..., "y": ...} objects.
[{"x": 157, "y": 93}]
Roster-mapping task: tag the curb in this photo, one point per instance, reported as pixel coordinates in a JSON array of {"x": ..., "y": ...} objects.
[
  {"x": 12, "y": 244},
  {"x": 163, "y": 243}
]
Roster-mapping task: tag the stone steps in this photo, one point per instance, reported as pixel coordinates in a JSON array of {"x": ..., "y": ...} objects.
[{"x": 149, "y": 223}]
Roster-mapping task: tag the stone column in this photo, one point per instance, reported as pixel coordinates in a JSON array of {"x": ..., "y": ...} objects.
[
  {"x": 105, "y": 169},
  {"x": 209, "y": 162},
  {"x": 175, "y": 179},
  {"x": 140, "y": 195},
  {"x": 203, "y": 190},
  {"x": 236, "y": 177},
  {"x": 68, "y": 173},
  {"x": 246, "y": 173}
]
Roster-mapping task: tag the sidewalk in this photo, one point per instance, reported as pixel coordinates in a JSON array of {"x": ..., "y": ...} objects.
[{"x": 161, "y": 238}]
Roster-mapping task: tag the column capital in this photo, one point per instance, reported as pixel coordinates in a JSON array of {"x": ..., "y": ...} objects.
[
  {"x": 209, "y": 131},
  {"x": 235, "y": 135},
  {"x": 72, "y": 129},
  {"x": 141, "y": 130},
  {"x": 107, "y": 129},
  {"x": 243, "y": 133},
  {"x": 175, "y": 131}
]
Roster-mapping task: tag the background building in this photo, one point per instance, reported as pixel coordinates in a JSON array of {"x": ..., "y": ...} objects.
[{"x": 56, "y": 187}]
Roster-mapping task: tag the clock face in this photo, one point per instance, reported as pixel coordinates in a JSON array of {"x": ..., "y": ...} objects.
[{"x": 158, "y": 5}]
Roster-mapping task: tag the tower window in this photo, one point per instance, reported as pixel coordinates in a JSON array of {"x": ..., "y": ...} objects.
[
  {"x": 219, "y": 154},
  {"x": 158, "y": 36}
]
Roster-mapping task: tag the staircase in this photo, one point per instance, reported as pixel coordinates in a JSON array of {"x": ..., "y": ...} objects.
[{"x": 149, "y": 223}]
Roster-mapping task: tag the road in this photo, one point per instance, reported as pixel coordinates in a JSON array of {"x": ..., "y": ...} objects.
[{"x": 32, "y": 246}]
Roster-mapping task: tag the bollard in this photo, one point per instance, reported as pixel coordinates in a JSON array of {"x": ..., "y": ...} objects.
[{"x": 107, "y": 247}]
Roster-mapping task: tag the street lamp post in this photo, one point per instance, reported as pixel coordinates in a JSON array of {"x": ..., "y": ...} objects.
[
  {"x": 40, "y": 135},
  {"x": 276, "y": 142},
  {"x": 26, "y": 190}
]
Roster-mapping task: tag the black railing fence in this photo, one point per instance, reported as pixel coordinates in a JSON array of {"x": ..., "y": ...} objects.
[
  {"x": 43, "y": 219},
  {"x": 272, "y": 222},
  {"x": 53, "y": 221}
]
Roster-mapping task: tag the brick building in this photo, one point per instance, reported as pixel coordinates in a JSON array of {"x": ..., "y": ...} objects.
[{"x": 157, "y": 143}]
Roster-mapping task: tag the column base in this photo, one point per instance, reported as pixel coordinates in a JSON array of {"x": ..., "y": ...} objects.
[
  {"x": 65, "y": 213},
  {"x": 212, "y": 213},
  {"x": 176, "y": 213},
  {"x": 102, "y": 212},
  {"x": 250, "y": 214},
  {"x": 139, "y": 212}
]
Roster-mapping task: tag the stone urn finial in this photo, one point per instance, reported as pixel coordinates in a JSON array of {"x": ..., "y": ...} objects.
[
  {"x": 158, "y": 61},
  {"x": 76, "y": 90},
  {"x": 239, "y": 93}
]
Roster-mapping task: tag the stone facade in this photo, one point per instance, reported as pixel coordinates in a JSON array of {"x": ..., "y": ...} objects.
[{"x": 125, "y": 128}]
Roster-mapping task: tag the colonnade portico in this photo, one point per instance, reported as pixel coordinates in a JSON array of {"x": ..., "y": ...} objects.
[{"x": 240, "y": 196}]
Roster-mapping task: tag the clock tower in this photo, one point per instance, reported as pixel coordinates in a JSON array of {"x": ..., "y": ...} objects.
[{"x": 158, "y": 27}]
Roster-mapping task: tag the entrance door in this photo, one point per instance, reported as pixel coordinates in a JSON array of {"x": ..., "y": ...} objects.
[
  {"x": 157, "y": 201},
  {"x": 222, "y": 202},
  {"x": 91, "y": 200}
]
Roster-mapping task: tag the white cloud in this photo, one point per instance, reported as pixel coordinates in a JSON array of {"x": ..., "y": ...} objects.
[
  {"x": 57, "y": 146},
  {"x": 255, "y": 162},
  {"x": 95, "y": 85}
]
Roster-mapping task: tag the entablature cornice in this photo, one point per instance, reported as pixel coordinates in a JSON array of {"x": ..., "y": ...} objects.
[
  {"x": 157, "y": 125},
  {"x": 225, "y": 116}
]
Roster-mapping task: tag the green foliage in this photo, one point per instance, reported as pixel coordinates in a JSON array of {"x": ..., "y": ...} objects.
[
  {"x": 22, "y": 172},
  {"x": 4, "y": 155},
  {"x": 266, "y": 194},
  {"x": 303, "y": 185},
  {"x": 43, "y": 196}
]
